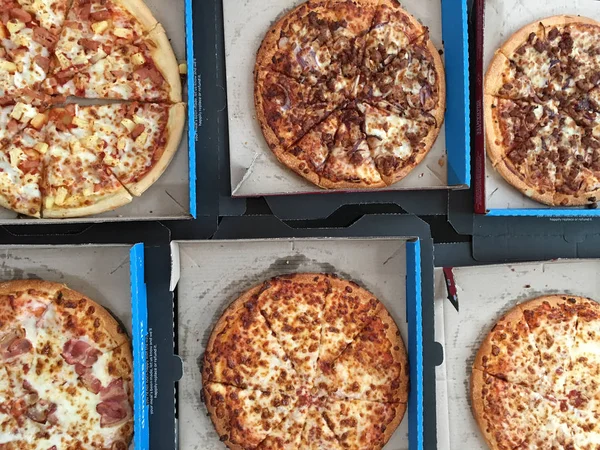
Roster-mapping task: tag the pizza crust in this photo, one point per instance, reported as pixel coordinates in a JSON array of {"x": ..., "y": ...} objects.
[
  {"x": 10, "y": 287},
  {"x": 220, "y": 423},
  {"x": 174, "y": 129},
  {"x": 109, "y": 203},
  {"x": 294, "y": 163},
  {"x": 520, "y": 37},
  {"x": 400, "y": 410},
  {"x": 139, "y": 10},
  {"x": 164, "y": 58},
  {"x": 553, "y": 300},
  {"x": 478, "y": 406},
  {"x": 493, "y": 133},
  {"x": 493, "y": 78}
]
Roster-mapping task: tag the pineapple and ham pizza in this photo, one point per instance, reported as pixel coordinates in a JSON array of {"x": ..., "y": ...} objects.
[
  {"x": 305, "y": 361},
  {"x": 67, "y": 370}
]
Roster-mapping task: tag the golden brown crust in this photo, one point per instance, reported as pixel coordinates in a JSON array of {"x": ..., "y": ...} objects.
[
  {"x": 478, "y": 406},
  {"x": 390, "y": 428},
  {"x": 552, "y": 300},
  {"x": 174, "y": 128},
  {"x": 508, "y": 173},
  {"x": 108, "y": 203},
  {"x": 12, "y": 287},
  {"x": 165, "y": 61},
  {"x": 221, "y": 424},
  {"x": 141, "y": 12},
  {"x": 330, "y": 184},
  {"x": 579, "y": 199},
  {"x": 493, "y": 133},
  {"x": 268, "y": 132},
  {"x": 295, "y": 163},
  {"x": 520, "y": 37},
  {"x": 392, "y": 333},
  {"x": 494, "y": 77}
]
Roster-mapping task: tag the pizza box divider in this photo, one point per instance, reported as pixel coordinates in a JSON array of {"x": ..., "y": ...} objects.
[
  {"x": 488, "y": 182},
  {"x": 480, "y": 309},
  {"x": 174, "y": 195},
  {"x": 293, "y": 207},
  {"x": 267, "y": 229}
]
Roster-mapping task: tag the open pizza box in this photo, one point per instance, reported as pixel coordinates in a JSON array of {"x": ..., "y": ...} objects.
[
  {"x": 496, "y": 21},
  {"x": 255, "y": 171},
  {"x": 173, "y": 196},
  {"x": 468, "y": 302},
  {"x": 208, "y": 275},
  {"x": 111, "y": 275}
]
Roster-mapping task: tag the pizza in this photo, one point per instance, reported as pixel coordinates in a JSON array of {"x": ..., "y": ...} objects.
[
  {"x": 60, "y": 158},
  {"x": 534, "y": 378},
  {"x": 66, "y": 369},
  {"x": 350, "y": 94},
  {"x": 542, "y": 111},
  {"x": 305, "y": 361}
]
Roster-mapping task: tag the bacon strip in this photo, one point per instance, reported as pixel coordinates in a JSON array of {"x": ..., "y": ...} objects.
[
  {"x": 80, "y": 352},
  {"x": 14, "y": 344}
]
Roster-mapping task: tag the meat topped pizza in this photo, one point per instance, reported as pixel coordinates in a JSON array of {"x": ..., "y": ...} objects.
[
  {"x": 542, "y": 111},
  {"x": 305, "y": 361},
  {"x": 66, "y": 371},
  {"x": 58, "y": 159},
  {"x": 533, "y": 381},
  {"x": 324, "y": 67}
]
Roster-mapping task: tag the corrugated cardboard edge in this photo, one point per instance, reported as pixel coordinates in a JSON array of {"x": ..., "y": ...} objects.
[{"x": 139, "y": 307}]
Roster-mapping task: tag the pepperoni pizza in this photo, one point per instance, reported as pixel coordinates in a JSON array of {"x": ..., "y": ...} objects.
[
  {"x": 65, "y": 371},
  {"x": 62, "y": 160},
  {"x": 542, "y": 111},
  {"x": 306, "y": 361},
  {"x": 534, "y": 380},
  {"x": 349, "y": 93}
]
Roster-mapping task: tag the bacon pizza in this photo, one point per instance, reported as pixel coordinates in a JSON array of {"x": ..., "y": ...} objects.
[
  {"x": 64, "y": 160},
  {"x": 534, "y": 380},
  {"x": 305, "y": 361},
  {"x": 66, "y": 371},
  {"x": 349, "y": 93},
  {"x": 542, "y": 111}
]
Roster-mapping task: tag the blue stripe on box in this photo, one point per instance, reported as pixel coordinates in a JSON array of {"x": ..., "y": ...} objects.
[
  {"x": 554, "y": 212},
  {"x": 415, "y": 344},
  {"x": 139, "y": 330},
  {"x": 455, "y": 33},
  {"x": 191, "y": 82}
]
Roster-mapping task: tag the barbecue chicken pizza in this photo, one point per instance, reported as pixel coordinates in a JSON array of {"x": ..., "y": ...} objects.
[
  {"x": 65, "y": 371},
  {"x": 542, "y": 111},
  {"x": 65, "y": 160},
  {"x": 535, "y": 378},
  {"x": 306, "y": 361},
  {"x": 349, "y": 93}
]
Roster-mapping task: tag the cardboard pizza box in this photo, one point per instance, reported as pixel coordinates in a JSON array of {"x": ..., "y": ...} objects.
[
  {"x": 173, "y": 196},
  {"x": 466, "y": 313},
  {"x": 112, "y": 276},
  {"x": 496, "y": 21},
  {"x": 254, "y": 170},
  {"x": 208, "y": 275}
]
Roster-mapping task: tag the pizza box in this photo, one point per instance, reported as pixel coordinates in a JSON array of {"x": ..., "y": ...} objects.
[
  {"x": 254, "y": 171},
  {"x": 496, "y": 21},
  {"x": 479, "y": 296},
  {"x": 173, "y": 196},
  {"x": 207, "y": 276},
  {"x": 113, "y": 276}
]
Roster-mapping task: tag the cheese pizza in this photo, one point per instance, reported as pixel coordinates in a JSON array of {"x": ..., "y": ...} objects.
[
  {"x": 542, "y": 111},
  {"x": 305, "y": 361},
  {"x": 534, "y": 378},
  {"x": 349, "y": 94},
  {"x": 59, "y": 159},
  {"x": 66, "y": 369}
]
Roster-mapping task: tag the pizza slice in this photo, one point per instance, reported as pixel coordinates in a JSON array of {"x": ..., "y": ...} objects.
[
  {"x": 318, "y": 41},
  {"x": 317, "y": 435},
  {"x": 135, "y": 141},
  {"x": 75, "y": 181},
  {"x": 293, "y": 308},
  {"x": 288, "y": 434},
  {"x": 244, "y": 353},
  {"x": 397, "y": 143},
  {"x": 373, "y": 367},
  {"x": 93, "y": 29},
  {"x": 392, "y": 30},
  {"x": 143, "y": 71},
  {"x": 361, "y": 424},
  {"x": 348, "y": 310},
  {"x": 287, "y": 109},
  {"x": 245, "y": 417}
]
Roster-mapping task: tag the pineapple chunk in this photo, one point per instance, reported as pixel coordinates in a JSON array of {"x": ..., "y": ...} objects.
[
  {"x": 17, "y": 111},
  {"x": 49, "y": 202},
  {"x": 124, "y": 33},
  {"x": 41, "y": 147},
  {"x": 62, "y": 60},
  {"x": 141, "y": 139},
  {"x": 8, "y": 66},
  {"x": 122, "y": 143},
  {"x": 100, "y": 27},
  {"x": 15, "y": 156},
  {"x": 14, "y": 26},
  {"x": 81, "y": 123},
  {"x": 138, "y": 59},
  {"x": 61, "y": 196},
  {"x": 137, "y": 119},
  {"x": 129, "y": 124},
  {"x": 90, "y": 142},
  {"x": 183, "y": 69},
  {"x": 39, "y": 121},
  {"x": 110, "y": 161}
]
